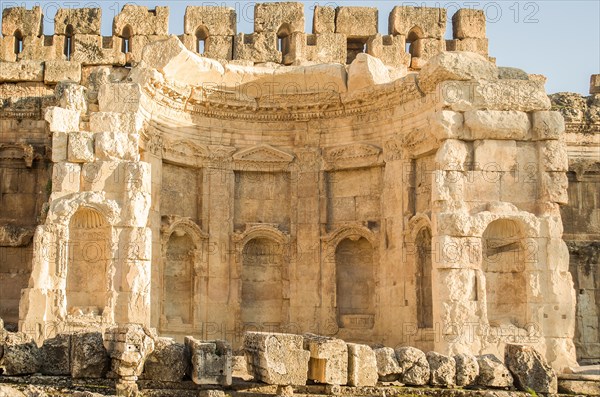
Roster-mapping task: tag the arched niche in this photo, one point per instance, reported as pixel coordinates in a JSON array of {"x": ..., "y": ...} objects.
[
  {"x": 182, "y": 265},
  {"x": 350, "y": 273},
  {"x": 88, "y": 259},
  {"x": 262, "y": 286},
  {"x": 503, "y": 267},
  {"x": 283, "y": 40},
  {"x": 262, "y": 258},
  {"x": 414, "y": 34},
  {"x": 201, "y": 37},
  {"x": 355, "y": 280}
]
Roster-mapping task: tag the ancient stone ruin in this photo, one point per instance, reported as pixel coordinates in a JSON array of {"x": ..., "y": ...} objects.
[{"x": 350, "y": 206}]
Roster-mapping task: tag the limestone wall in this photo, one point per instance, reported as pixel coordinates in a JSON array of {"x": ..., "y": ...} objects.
[
  {"x": 581, "y": 215},
  {"x": 363, "y": 201},
  {"x": 338, "y": 35}
]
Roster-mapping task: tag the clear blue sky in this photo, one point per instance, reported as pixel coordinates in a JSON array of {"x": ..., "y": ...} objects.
[{"x": 559, "y": 39}]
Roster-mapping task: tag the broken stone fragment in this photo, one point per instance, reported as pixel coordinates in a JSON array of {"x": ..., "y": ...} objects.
[
  {"x": 443, "y": 369},
  {"x": 493, "y": 373},
  {"x": 362, "y": 365},
  {"x": 276, "y": 359},
  {"x": 467, "y": 369},
  {"x": 21, "y": 355},
  {"x": 169, "y": 362},
  {"x": 414, "y": 366},
  {"x": 328, "y": 359},
  {"x": 89, "y": 358},
  {"x": 388, "y": 368},
  {"x": 530, "y": 369},
  {"x": 211, "y": 361},
  {"x": 455, "y": 66},
  {"x": 55, "y": 356}
]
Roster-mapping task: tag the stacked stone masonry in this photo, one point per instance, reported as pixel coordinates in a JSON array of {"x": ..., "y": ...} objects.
[
  {"x": 124, "y": 354},
  {"x": 329, "y": 183}
]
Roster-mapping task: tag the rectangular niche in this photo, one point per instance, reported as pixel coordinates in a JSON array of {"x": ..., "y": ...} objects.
[
  {"x": 262, "y": 197},
  {"x": 181, "y": 191},
  {"x": 354, "y": 195}
]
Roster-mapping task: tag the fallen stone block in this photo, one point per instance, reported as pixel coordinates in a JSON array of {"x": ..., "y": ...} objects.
[
  {"x": 169, "y": 362},
  {"x": 388, "y": 368},
  {"x": 211, "y": 361},
  {"x": 362, "y": 365},
  {"x": 467, "y": 369},
  {"x": 328, "y": 359},
  {"x": 414, "y": 366},
  {"x": 89, "y": 358},
  {"x": 20, "y": 356},
  {"x": 276, "y": 359},
  {"x": 530, "y": 369},
  {"x": 492, "y": 372},
  {"x": 55, "y": 356},
  {"x": 443, "y": 369}
]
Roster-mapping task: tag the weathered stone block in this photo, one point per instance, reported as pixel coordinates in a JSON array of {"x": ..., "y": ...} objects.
[
  {"x": 495, "y": 124},
  {"x": 81, "y": 20},
  {"x": 356, "y": 22},
  {"x": 390, "y": 50},
  {"x": 89, "y": 358},
  {"x": 388, "y": 368},
  {"x": 271, "y": 17},
  {"x": 467, "y": 369},
  {"x": 21, "y": 355},
  {"x": 256, "y": 47},
  {"x": 72, "y": 96},
  {"x": 492, "y": 372},
  {"x": 362, "y": 365},
  {"x": 479, "y": 46},
  {"x": 128, "y": 346},
  {"x": 324, "y": 20},
  {"x": 117, "y": 145},
  {"x": 56, "y": 71},
  {"x": 211, "y": 361},
  {"x": 366, "y": 71},
  {"x": 21, "y": 71},
  {"x": 28, "y": 22},
  {"x": 55, "y": 356},
  {"x": 168, "y": 363},
  {"x": 554, "y": 187},
  {"x": 218, "y": 21},
  {"x": 455, "y": 66},
  {"x": 554, "y": 156},
  {"x": 547, "y": 125},
  {"x": 128, "y": 123},
  {"x": 62, "y": 120},
  {"x": 59, "y": 146},
  {"x": 530, "y": 369},
  {"x": 595, "y": 84},
  {"x": 414, "y": 365},
  {"x": 81, "y": 147},
  {"x": 116, "y": 176},
  {"x": 494, "y": 155},
  {"x": 443, "y": 369},
  {"x": 277, "y": 359},
  {"x": 468, "y": 23},
  {"x": 66, "y": 177},
  {"x": 143, "y": 21},
  {"x": 90, "y": 49},
  {"x": 431, "y": 21},
  {"x": 119, "y": 98},
  {"x": 328, "y": 359}
]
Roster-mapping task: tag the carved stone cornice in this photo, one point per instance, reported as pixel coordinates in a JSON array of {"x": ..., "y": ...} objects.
[
  {"x": 357, "y": 155},
  {"x": 231, "y": 105}
]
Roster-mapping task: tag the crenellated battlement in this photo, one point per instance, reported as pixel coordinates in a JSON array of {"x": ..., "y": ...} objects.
[{"x": 415, "y": 34}]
